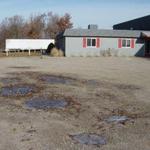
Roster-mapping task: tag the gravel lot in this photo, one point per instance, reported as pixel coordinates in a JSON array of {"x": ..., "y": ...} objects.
[{"x": 94, "y": 90}]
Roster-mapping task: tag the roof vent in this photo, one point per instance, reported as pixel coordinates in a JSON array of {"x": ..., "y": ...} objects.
[
  {"x": 131, "y": 28},
  {"x": 92, "y": 27}
]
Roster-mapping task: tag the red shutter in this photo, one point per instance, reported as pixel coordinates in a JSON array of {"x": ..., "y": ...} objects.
[
  {"x": 84, "y": 42},
  {"x": 97, "y": 42},
  {"x": 132, "y": 43},
  {"x": 119, "y": 43}
]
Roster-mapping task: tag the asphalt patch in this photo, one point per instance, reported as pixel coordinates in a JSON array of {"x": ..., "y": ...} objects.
[
  {"x": 45, "y": 103},
  {"x": 89, "y": 139}
]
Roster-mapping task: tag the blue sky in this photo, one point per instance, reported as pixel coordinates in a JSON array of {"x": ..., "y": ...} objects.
[{"x": 105, "y": 13}]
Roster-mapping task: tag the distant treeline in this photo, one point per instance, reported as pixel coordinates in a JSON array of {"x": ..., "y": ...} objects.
[{"x": 46, "y": 25}]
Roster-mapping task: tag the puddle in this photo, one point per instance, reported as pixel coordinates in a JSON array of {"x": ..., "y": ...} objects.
[
  {"x": 45, "y": 103},
  {"x": 20, "y": 67},
  {"x": 127, "y": 87},
  {"x": 92, "y": 82},
  {"x": 117, "y": 119},
  {"x": 57, "y": 79},
  {"x": 89, "y": 139},
  {"x": 9, "y": 80},
  {"x": 16, "y": 90}
]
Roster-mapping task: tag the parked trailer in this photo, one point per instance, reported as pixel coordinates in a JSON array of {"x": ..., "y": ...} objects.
[{"x": 27, "y": 44}]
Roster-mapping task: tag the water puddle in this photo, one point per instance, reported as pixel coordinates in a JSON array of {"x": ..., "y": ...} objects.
[
  {"x": 45, "y": 103},
  {"x": 92, "y": 82},
  {"x": 89, "y": 139},
  {"x": 16, "y": 90},
  {"x": 117, "y": 119},
  {"x": 21, "y": 67},
  {"x": 57, "y": 79},
  {"x": 9, "y": 80}
]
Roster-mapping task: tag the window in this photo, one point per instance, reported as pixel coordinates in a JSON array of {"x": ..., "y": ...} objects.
[
  {"x": 126, "y": 43},
  {"x": 91, "y": 42}
]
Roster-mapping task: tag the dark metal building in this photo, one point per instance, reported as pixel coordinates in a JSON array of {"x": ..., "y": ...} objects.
[{"x": 142, "y": 23}]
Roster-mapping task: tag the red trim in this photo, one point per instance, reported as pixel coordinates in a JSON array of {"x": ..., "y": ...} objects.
[
  {"x": 132, "y": 43},
  {"x": 97, "y": 42},
  {"x": 84, "y": 42},
  {"x": 119, "y": 43}
]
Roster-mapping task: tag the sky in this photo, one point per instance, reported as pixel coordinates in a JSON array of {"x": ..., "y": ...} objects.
[{"x": 104, "y": 13}]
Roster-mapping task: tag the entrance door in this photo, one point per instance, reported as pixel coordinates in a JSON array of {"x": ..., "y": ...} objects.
[{"x": 147, "y": 48}]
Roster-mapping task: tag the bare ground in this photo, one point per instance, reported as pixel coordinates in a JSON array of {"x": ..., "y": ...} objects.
[{"x": 98, "y": 88}]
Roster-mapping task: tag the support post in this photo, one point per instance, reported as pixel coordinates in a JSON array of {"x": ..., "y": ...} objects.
[
  {"x": 29, "y": 52},
  {"x": 7, "y": 53}
]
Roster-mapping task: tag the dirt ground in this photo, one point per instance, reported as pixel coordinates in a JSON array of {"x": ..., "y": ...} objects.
[{"x": 95, "y": 89}]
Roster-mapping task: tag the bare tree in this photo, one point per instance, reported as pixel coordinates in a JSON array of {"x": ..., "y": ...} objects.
[
  {"x": 64, "y": 22},
  {"x": 37, "y": 26},
  {"x": 56, "y": 24},
  {"x": 4, "y": 34},
  {"x": 34, "y": 28},
  {"x": 51, "y": 25},
  {"x": 15, "y": 26},
  {"x": 11, "y": 28}
]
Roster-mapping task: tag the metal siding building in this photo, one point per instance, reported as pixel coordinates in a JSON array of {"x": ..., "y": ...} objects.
[
  {"x": 142, "y": 23},
  {"x": 74, "y": 42}
]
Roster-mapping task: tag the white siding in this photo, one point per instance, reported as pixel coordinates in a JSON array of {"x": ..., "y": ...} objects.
[{"x": 74, "y": 47}]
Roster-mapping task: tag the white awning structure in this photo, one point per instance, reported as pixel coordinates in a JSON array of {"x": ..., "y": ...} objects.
[{"x": 27, "y": 44}]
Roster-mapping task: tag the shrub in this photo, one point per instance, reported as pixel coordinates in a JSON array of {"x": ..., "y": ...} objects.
[
  {"x": 54, "y": 52},
  {"x": 61, "y": 53},
  {"x": 102, "y": 52},
  {"x": 109, "y": 52}
]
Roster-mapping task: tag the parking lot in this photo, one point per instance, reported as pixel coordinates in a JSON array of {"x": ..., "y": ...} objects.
[{"x": 62, "y": 103}]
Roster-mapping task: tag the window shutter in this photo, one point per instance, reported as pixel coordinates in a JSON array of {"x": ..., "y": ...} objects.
[
  {"x": 119, "y": 43},
  {"x": 84, "y": 42},
  {"x": 132, "y": 43},
  {"x": 97, "y": 42}
]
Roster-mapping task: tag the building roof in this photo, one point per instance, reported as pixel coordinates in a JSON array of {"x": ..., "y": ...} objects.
[
  {"x": 146, "y": 34},
  {"x": 142, "y": 23},
  {"x": 100, "y": 33}
]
